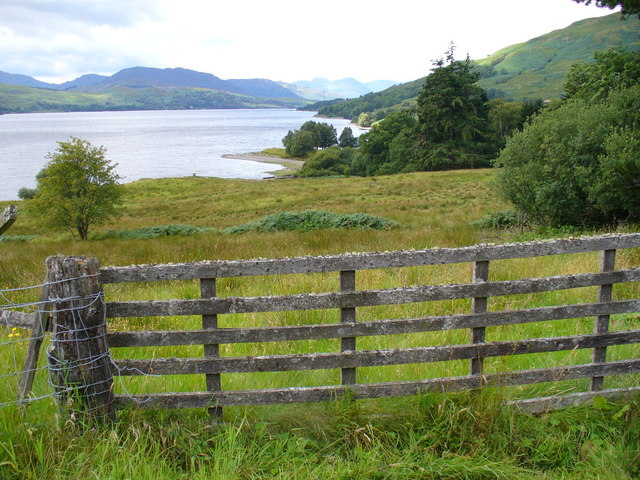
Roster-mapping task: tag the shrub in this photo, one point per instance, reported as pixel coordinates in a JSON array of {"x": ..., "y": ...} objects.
[
  {"x": 326, "y": 163},
  {"x": 16, "y": 238},
  {"x": 577, "y": 164},
  {"x": 313, "y": 220},
  {"x": 154, "y": 232},
  {"x": 26, "y": 193},
  {"x": 501, "y": 219}
]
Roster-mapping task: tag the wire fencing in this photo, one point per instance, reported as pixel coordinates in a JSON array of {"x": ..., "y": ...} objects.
[
  {"x": 68, "y": 374},
  {"x": 18, "y": 312}
]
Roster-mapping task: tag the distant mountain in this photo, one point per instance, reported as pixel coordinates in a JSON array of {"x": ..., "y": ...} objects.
[
  {"x": 533, "y": 69},
  {"x": 17, "y": 79},
  {"x": 83, "y": 81},
  {"x": 142, "y": 88},
  {"x": 343, "y": 88},
  {"x": 145, "y": 77},
  {"x": 379, "y": 85}
]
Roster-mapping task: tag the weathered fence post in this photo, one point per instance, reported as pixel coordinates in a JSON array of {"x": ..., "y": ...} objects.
[
  {"x": 601, "y": 324},
  {"x": 210, "y": 322},
  {"x": 79, "y": 359},
  {"x": 479, "y": 305},
  {"x": 348, "y": 315},
  {"x": 8, "y": 218}
]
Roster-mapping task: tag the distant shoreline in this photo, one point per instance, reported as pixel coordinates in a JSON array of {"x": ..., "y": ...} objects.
[{"x": 290, "y": 166}]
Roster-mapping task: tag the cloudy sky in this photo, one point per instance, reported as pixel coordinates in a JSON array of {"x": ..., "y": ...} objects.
[{"x": 284, "y": 40}]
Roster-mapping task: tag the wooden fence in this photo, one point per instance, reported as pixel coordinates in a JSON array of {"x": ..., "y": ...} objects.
[{"x": 348, "y": 300}]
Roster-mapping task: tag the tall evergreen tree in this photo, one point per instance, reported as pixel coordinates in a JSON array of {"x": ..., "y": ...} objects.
[{"x": 452, "y": 115}]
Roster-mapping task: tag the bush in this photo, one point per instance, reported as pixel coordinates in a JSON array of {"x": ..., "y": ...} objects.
[
  {"x": 577, "y": 164},
  {"x": 154, "y": 232},
  {"x": 26, "y": 193},
  {"x": 16, "y": 238},
  {"x": 313, "y": 220},
  {"x": 326, "y": 163},
  {"x": 502, "y": 219}
]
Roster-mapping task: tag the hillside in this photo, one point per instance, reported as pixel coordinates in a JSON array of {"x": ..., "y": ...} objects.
[
  {"x": 536, "y": 68},
  {"x": 141, "y": 88},
  {"x": 21, "y": 99},
  {"x": 533, "y": 69}
]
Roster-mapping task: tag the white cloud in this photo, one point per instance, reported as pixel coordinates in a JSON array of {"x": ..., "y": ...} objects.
[{"x": 281, "y": 39}]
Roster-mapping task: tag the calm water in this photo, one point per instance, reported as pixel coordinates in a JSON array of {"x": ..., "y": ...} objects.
[{"x": 149, "y": 144}]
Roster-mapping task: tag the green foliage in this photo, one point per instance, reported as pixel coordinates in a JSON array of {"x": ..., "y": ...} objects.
[
  {"x": 26, "y": 193},
  {"x": 387, "y": 101},
  {"x": 380, "y": 152},
  {"x": 313, "y": 220},
  {"x": 16, "y": 238},
  {"x": 452, "y": 116},
  {"x": 347, "y": 139},
  {"x": 501, "y": 219},
  {"x": 328, "y": 162},
  {"x": 146, "y": 233},
  {"x": 613, "y": 69},
  {"x": 77, "y": 188},
  {"x": 577, "y": 164},
  {"x": 629, "y": 7},
  {"x": 300, "y": 143},
  {"x": 309, "y": 137}
]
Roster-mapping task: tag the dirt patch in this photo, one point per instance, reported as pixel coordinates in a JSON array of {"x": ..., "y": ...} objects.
[{"x": 290, "y": 166}]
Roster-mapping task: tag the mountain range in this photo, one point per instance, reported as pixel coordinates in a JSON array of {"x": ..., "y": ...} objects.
[
  {"x": 145, "y": 80},
  {"x": 533, "y": 69}
]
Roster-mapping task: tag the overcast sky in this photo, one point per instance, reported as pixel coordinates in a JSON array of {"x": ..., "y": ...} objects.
[{"x": 282, "y": 40}]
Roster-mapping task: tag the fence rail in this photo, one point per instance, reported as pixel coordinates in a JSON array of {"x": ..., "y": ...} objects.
[{"x": 348, "y": 300}]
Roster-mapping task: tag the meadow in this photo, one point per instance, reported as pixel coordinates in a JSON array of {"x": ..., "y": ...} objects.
[{"x": 467, "y": 435}]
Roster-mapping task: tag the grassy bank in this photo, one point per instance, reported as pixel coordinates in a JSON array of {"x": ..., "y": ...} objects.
[{"x": 462, "y": 436}]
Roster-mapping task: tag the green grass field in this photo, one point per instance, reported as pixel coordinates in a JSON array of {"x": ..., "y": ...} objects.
[{"x": 461, "y": 436}]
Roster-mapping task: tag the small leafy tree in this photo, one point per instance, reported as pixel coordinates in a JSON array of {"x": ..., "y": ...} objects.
[
  {"x": 309, "y": 137},
  {"x": 77, "y": 188},
  {"x": 377, "y": 146},
  {"x": 347, "y": 139},
  {"x": 328, "y": 162}
]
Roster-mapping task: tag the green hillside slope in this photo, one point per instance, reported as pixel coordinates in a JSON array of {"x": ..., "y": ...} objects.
[
  {"x": 536, "y": 68},
  {"x": 529, "y": 70},
  {"x": 21, "y": 99}
]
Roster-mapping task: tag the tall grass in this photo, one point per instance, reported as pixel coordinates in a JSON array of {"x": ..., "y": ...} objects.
[{"x": 429, "y": 436}]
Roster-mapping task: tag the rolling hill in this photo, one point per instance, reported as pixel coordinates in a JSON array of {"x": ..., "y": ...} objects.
[
  {"x": 142, "y": 88},
  {"x": 529, "y": 70}
]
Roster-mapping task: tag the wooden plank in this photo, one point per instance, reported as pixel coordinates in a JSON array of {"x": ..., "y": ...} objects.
[
  {"x": 35, "y": 344},
  {"x": 369, "y": 358},
  {"x": 11, "y": 318},
  {"x": 9, "y": 216},
  {"x": 211, "y": 350},
  {"x": 348, "y": 316},
  {"x": 364, "y": 261},
  {"x": 377, "y": 390},
  {"x": 601, "y": 324},
  {"x": 371, "y": 328},
  {"x": 364, "y": 297},
  {"x": 546, "y": 404},
  {"x": 479, "y": 305}
]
